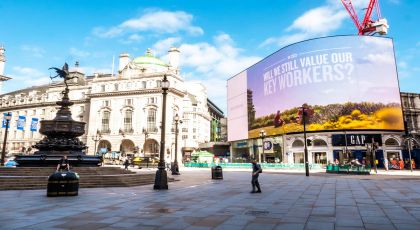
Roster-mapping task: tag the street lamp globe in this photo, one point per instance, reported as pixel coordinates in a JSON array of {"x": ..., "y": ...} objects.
[
  {"x": 165, "y": 83},
  {"x": 262, "y": 133},
  {"x": 176, "y": 118}
]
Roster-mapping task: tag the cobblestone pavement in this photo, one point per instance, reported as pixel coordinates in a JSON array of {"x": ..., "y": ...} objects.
[{"x": 288, "y": 201}]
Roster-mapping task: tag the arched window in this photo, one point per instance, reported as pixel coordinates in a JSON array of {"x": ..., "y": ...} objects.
[
  {"x": 391, "y": 142},
  {"x": 128, "y": 121},
  {"x": 151, "y": 120},
  {"x": 297, "y": 143},
  {"x": 319, "y": 142},
  {"x": 105, "y": 121}
]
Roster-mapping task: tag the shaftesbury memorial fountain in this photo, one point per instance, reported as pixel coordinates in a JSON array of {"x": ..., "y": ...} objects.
[{"x": 61, "y": 136}]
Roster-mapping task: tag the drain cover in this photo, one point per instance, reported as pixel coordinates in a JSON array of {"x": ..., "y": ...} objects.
[{"x": 256, "y": 213}]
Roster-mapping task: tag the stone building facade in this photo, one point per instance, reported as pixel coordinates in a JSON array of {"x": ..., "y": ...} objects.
[{"x": 122, "y": 111}]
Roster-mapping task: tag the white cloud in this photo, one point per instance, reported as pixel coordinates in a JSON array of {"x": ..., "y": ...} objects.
[
  {"x": 284, "y": 40},
  {"x": 29, "y": 76},
  {"x": 159, "y": 21},
  {"x": 34, "y": 51},
  {"x": 380, "y": 43},
  {"x": 315, "y": 22},
  {"x": 319, "y": 21},
  {"x": 213, "y": 63},
  {"x": 161, "y": 47},
  {"x": 131, "y": 39},
  {"x": 78, "y": 53}
]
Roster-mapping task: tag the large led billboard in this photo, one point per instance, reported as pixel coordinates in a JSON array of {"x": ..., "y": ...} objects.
[{"x": 350, "y": 82}]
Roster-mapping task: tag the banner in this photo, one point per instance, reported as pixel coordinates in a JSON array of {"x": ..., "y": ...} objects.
[
  {"x": 34, "y": 124},
  {"x": 21, "y": 123},
  {"x": 349, "y": 82},
  {"x": 4, "y": 121}
]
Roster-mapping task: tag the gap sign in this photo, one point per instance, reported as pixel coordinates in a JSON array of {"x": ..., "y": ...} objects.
[{"x": 355, "y": 139}]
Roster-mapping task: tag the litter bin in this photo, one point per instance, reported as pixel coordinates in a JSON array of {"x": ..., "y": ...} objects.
[
  {"x": 216, "y": 173},
  {"x": 63, "y": 184}
]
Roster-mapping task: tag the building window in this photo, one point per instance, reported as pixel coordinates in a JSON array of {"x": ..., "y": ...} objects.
[
  {"x": 128, "y": 101},
  {"x": 194, "y": 137},
  {"x": 152, "y": 100},
  {"x": 158, "y": 83},
  {"x": 82, "y": 109},
  {"x": 185, "y": 130},
  {"x": 106, "y": 103},
  {"x": 43, "y": 112},
  {"x": 194, "y": 130},
  {"x": 116, "y": 86},
  {"x": 102, "y": 88},
  {"x": 143, "y": 84},
  {"x": 128, "y": 124},
  {"x": 105, "y": 121},
  {"x": 184, "y": 137},
  {"x": 34, "y": 112},
  {"x": 151, "y": 120}
]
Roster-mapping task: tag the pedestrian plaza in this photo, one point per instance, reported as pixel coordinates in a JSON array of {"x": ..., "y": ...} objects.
[{"x": 288, "y": 201}]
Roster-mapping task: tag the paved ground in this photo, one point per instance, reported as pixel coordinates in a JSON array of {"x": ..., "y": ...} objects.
[{"x": 288, "y": 201}]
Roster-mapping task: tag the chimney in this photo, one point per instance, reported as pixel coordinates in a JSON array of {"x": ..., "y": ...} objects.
[
  {"x": 124, "y": 60},
  {"x": 174, "y": 57},
  {"x": 2, "y": 60}
]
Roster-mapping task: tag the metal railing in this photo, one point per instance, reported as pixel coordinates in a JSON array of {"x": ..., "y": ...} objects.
[{"x": 249, "y": 165}]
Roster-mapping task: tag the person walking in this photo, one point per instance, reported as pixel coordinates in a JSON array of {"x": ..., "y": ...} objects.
[
  {"x": 256, "y": 170},
  {"x": 126, "y": 163}
]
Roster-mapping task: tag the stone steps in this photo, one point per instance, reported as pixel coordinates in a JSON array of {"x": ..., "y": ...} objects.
[
  {"x": 48, "y": 171},
  {"x": 37, "y": 178}
]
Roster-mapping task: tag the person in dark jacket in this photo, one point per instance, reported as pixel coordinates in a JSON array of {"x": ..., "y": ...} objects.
[
  {"x": 63, "y": 164},
  {"x": 256, "y": 170},
  {"x": 126, "y": 163}
]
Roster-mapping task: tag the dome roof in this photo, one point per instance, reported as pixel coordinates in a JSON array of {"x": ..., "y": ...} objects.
[{"x": 148, "y": 59}]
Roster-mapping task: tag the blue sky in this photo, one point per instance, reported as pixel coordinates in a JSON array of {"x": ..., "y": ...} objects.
[{"x": 217, "y": 39}]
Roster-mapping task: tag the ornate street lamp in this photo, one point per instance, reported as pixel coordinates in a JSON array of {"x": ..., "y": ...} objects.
[
  {"x": 161, "y": 179},
  {"x": 175, "y": 168},
  {"x": 409, "y": 139},
  {"x": 7, "y": 117},
  {"x": 262, "y": 135},
  {"x": 96, "y": 138},
  {"x": 305, "y": 114}
]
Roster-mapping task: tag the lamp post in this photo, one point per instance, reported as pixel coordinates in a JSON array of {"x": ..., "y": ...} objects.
[
  {"x": 161, "y": 179},
  {"x": 7, "y": 117},
  {"x": 304, "y": 114},
  {"x": 262, "y": 135},
  {"x": 409, "y": 140},
  {"x": 175, "y": 168},
  {"x": 96, "y": 138}
]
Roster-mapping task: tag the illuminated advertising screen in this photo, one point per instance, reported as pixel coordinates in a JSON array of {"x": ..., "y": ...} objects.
[{"x": 349, "y": 82}]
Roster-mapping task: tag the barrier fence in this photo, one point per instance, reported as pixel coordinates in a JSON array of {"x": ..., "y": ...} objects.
[{"x": 249, "y": 165}]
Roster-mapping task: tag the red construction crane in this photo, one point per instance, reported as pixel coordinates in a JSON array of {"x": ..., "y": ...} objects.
[{"x": 368, "y": 26}]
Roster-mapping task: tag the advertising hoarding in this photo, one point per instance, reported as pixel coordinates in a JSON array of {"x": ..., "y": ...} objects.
[{"x": 350, "y": 82}]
